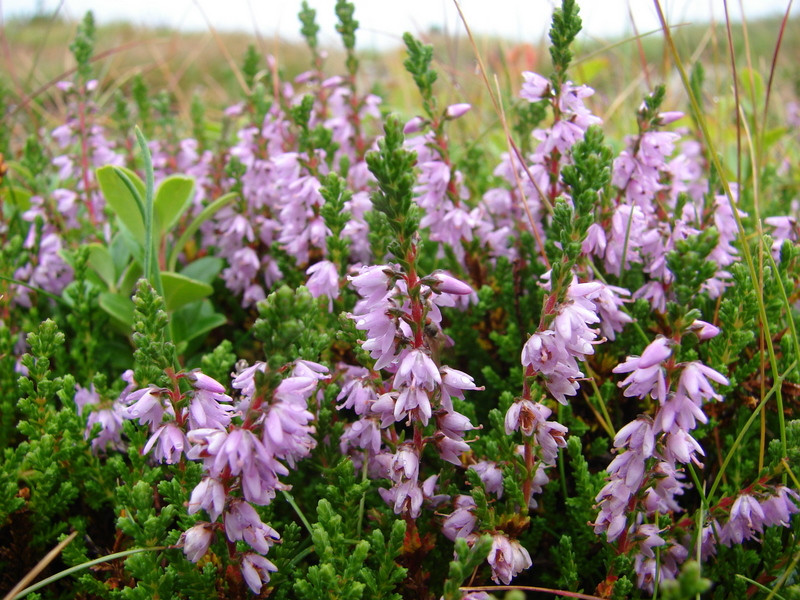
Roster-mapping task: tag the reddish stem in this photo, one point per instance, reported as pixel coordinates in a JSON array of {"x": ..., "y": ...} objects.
[{"x": 85, "y": 157}]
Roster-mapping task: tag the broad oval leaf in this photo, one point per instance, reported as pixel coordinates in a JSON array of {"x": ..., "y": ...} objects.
[
  {"x": 120, "y": 253},
  {"x": 180, "y": 290},
  {"x": 12, "y": 195},
  {"x": 172, "y": 199},
  {"x": 101, "y": 261},
  {"x": 118, "y": 306},
  {"x": 204, "y": 269},
  {"x": 121, "y": 200},
  {"x": 195, "y": 320},
  {"x": 129, "y": 277}
]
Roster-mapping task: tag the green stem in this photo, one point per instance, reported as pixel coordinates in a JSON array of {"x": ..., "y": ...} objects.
[
  {"x": 760, "y": 586},
  {"x": 293, "y": 504},
  {"x": 362, "y": 502},
  {"x": 38, "y": 290},
  {"x": 742, "y": 235},
  {"x": 80, "y": 567},
  {"x": 204, "y": 215},
  {"x": 151, "y": 269},
  {"x": 747, "y": 425}
]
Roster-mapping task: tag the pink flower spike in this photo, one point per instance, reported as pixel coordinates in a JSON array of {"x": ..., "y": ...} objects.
[{"x": 455, "y": 111}]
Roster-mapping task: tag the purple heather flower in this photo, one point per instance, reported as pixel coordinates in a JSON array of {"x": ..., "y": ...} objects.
[
  {"x": 205, "y": 409},
  {"x": 649, "y": 570},
  {"x": 524, "y": 415},
  {"x": 609, "y": 300},
  {"x": 561, "y": 137},
  {"x": 364, "y": 433},
  {"x": 450, "y": 285},
  {"x": 661, "y": 496},
  {"x": 681, "y": 446},
  {"x": 170, "y": 442},
  {"x": 287, "y": 432},
  {"x": 243, "y": 454},
  {"x": 694, "y": 381},
  {"x": 454, "y": 383},
  {"x": 406, "y": 498},
  {"x": 461, "y": 522},
  {"x": 628, "y": 467},
  {"x": 507, "y": 558},
  {"x": 416, "y": 369},
  {"x": 453, "y": 424},
  {"x": 246, "y": 383},
  {"x": 110, "y": 418},
  {"x": 450, "y": 449},
  {"x": 535, "y": 87},
  {"x": 356, "y": 392},
  {"x": 384, "y": 408},
  {"x": 703, "y": 330},
  {"x": 665, "y": 118},
  {"x": 209, "y": 495},
  {"x": 196, "y": 541},
  {"x": 778, "y": 508},
  {"x": 454, "y": 111},
  {"x": 256, "y": 570},
  {"x": 405, "y": 464},
  {"x": 547, "y": 354},
  {"x": 491, "y": 476},
  {"x": 414, "y": 125},
  {"x": 413, "y": 402},
  {"x": 646, "y": 373},
  {"x": 323, "y": 281},
  {"x": 637, "y": 435},
  {"x": 243, "y": 523}
]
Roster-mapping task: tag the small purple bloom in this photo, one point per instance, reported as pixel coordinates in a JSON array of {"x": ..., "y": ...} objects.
[
  {"x": 507, "y": 559},
  {"x": 209, "y": 494},
  {"x": 170, "y": 443},
  {"x": 454, "y": 111},
  {"x": 196, "y": 541},
  {"x": 256, "y": 570}
]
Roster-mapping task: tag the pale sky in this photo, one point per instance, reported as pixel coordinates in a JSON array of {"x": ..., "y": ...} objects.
[{"x": 384, "y": 21}]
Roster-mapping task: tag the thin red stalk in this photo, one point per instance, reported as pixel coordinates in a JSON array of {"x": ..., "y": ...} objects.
[
  {"x": 640, "y": 48},
  {"x": 529, "y": 588},
  {"x": 23, "y": 103},
  {"x": 85, "y": 155},
  {"x": 498, "y": 108},
  {"x": 774, "y": 63},
  {"x": 527, "y": 485}
]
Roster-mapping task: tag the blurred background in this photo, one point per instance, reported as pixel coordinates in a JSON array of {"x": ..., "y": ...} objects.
[{"x": 383, "y": 22}]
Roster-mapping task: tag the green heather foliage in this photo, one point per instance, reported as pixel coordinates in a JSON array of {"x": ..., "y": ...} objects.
[{"x": 332, "y": 331}]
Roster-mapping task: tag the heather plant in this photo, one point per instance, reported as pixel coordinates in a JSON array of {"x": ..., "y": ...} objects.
[{"x": 313, "y": 346}]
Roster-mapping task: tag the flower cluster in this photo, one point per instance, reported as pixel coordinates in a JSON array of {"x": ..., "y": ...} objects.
[
  {"x": 244, "y": 447},
  {"x": 402, "y": 318},
  {"x": 647, "y": 475}
]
